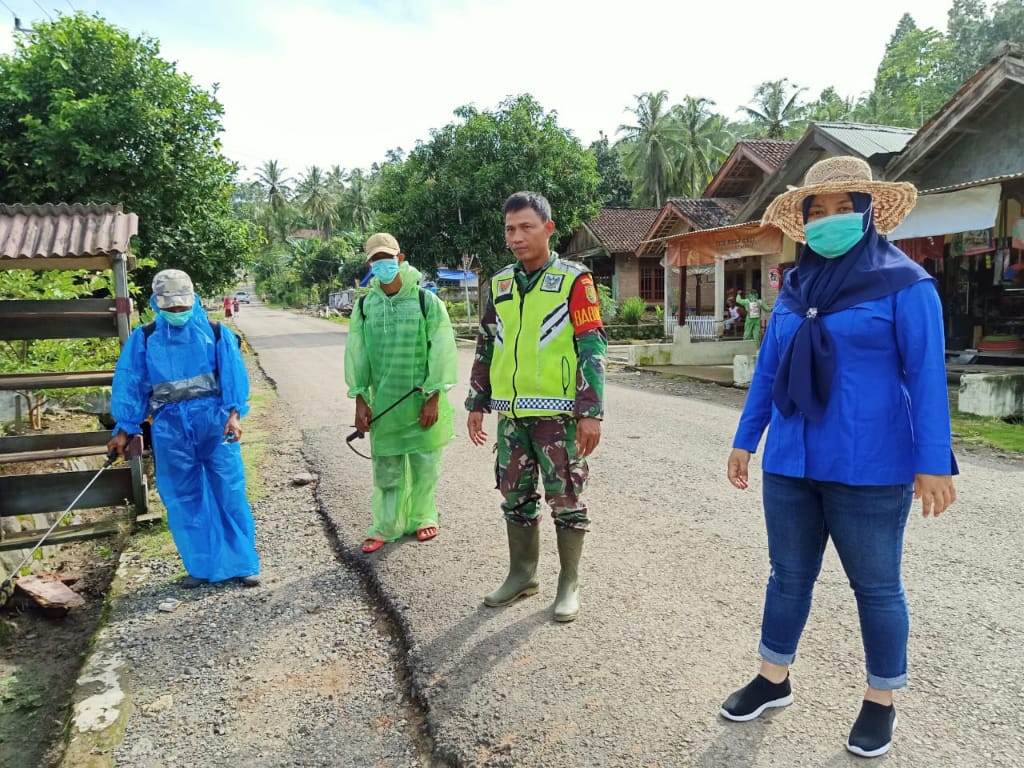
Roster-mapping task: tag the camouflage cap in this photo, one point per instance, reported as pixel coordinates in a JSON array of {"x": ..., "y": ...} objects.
[
  {"x": 382, "y": 242},
  {"x": 173, "y": 288}
]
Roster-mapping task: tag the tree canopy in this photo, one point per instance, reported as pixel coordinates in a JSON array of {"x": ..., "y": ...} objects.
[
  {"x": 444, "y": 202},
  {"x": 89, "y": 113}
]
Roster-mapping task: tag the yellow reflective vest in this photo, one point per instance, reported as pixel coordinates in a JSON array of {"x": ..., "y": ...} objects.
[{"x": 533, "y": 370}]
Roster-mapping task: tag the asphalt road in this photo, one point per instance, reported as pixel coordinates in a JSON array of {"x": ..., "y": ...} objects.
[{"x": 671, "y": 586}]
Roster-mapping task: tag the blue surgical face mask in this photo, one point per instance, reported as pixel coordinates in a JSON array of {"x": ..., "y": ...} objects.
[
  {"x": 832, "y": 236},
  {"x": 385, "y": 270},
  {"x": 177, "y": 318}
]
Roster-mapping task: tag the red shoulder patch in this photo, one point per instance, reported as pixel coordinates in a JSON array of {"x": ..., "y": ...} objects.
[{"x": 584, "y": 305}]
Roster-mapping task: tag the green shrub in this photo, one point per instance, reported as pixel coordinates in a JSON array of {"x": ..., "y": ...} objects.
[
  {"x": 609, "y": 307},
  {"x": 632, "y": 310}
]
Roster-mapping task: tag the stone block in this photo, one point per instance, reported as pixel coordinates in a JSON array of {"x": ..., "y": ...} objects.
[{"x": 992, "y": 394}]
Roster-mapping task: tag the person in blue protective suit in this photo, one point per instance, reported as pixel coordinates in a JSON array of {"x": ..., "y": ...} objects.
[
  {"x": 851, "y": 384},
  {"x": 190, "y": 377}
]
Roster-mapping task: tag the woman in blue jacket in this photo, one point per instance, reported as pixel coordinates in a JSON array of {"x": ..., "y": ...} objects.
[
  {"x": 191, "y": 378},
  {"x": 851, "y": 384}
]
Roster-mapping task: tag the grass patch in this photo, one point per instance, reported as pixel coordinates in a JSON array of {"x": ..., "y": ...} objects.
[
  {"x": 256, "y": 440},
  {"x": 981, "y": 430},
  {"x": 338, "y": 319},
  {"x": 153, "y": 540}
]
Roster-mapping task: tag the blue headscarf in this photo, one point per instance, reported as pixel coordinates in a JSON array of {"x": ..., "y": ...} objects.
[{"x": 873, "y": 268}]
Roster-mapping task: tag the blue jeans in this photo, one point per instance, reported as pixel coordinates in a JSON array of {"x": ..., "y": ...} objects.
[{"x": 866, "y": 525}]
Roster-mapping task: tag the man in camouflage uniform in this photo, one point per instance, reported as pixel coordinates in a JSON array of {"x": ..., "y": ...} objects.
[{"x": 540, "y": 362}]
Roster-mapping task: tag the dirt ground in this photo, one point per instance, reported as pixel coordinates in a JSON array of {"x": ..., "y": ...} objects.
[{"x": 40, "y": 654}]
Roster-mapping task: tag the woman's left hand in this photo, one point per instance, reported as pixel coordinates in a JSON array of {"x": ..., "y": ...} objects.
[{"x": 936, "y": 493}]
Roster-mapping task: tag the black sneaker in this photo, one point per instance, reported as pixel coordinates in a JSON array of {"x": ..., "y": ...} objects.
[
  {"x": 190, "y": 582},
  {"x": 250, "y": 581},
  {"x": 871, "y": 735},
  {"x": 755, "y": 697}
]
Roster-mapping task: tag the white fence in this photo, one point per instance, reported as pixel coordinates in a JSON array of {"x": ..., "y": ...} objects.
[{"x": 702, "y": 326}]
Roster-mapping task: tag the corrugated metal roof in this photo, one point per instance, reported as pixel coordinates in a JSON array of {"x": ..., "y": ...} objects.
[
  {"x": 63, "y": 230},
  {"x": 975, "y": 183},
  {"x": 868, "y": 140}
]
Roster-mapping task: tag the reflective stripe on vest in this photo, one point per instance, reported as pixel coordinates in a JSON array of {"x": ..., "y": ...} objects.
[
  {"x": 533, "y": 370},
  {"x": 192, "y": 388}
]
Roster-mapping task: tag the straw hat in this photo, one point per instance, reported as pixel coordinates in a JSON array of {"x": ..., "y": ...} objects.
[{"x": 891, "y": 200}]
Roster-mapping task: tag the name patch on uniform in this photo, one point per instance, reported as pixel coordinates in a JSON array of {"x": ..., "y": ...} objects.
[
  {"x": 586, "y": 317},
  {"x": 552, "y": 283}
]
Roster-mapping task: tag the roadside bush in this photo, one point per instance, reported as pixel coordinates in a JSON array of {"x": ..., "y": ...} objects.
[
  {"x": 632, "y": 310},
  {"x": 609, "y": 307}
]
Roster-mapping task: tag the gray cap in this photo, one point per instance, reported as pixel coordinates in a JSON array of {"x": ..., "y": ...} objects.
[{"x": 173, "y": 288}]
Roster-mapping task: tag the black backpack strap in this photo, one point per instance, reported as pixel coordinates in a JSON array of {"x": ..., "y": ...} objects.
[
  {"x": 423, "y": 304},
  {"x": 147, "y": 330}
]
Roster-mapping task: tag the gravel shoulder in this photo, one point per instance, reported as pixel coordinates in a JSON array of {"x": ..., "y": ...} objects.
[{"x": 301, "y": 670}]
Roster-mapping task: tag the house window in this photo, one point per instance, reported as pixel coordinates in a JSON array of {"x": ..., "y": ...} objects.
[{"x": 652, "y": 281}]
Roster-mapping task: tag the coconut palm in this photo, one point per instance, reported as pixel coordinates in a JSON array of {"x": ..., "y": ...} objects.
[
  {"x": 314, "y": 196},
  {"x": 706, "y": 142},
  {"x": 355, "y": 203},
  {"x": 652, "y": 147},
  {"x": 775, "y": 108},
  {"x": 275, "y": 185}
]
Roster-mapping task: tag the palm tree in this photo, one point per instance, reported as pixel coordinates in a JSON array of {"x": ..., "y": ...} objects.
[
  {"x": 775, "y": 107},
  {"x": 276, "y": 191},
  {"x": 274, "y": 184},
  {"x": 652, "y": 147},
  {"x": 314, "y": 196},
  {"x": 355, "y": 203},
  {"x": 706, "y": 141}
]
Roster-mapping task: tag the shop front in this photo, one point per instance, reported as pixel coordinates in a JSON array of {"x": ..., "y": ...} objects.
[
  {"x": 716, "y": 265},
  {"x": 971, "y": 238}
]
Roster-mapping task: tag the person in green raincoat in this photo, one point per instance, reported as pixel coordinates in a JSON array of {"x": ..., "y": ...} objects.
[
  {"x": 753, "y": 306},
  {"x": 400, "y": 339}
]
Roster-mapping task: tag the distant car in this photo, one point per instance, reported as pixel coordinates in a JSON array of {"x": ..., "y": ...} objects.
[{"x": 242, "y": 296}]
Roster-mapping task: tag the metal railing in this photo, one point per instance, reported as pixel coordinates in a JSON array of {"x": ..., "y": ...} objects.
[{"x": 702, "y": 326}]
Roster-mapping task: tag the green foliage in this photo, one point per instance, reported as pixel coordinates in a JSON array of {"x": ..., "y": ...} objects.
[
  {"x": 651, "y": 147},
  {"x": 90, "y": 114},
  {"x": 614, "y": 190},
  {"x": 445, "y": 200},
  {"x": 776, "y": 111},
  {"x": 632, "y": 310},
  {"x": 56, "y": 355},
  {"x": 609, "y": 307},
  {"x": 914, "y": 78},
  {"x": 659, "y": 313}
]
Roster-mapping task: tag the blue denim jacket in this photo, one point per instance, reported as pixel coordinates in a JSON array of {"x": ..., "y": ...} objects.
[{"x": 888, "y": 415}]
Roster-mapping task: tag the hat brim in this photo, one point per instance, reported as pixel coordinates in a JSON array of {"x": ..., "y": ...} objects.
[
  {"x": 178, "y": 300},
  {"x": 388, "y": 251},
  {"x": 891, "y": 201}
]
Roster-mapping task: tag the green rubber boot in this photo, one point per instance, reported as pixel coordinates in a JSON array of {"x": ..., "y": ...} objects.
[
  {"x": 570, "y": 547},
  {"x": 523, "y": 553}
]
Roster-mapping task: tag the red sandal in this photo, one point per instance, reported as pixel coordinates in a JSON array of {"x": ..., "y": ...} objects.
[
  {"x": 372, "y": 545},
  {"x": 426, "y": 533}
]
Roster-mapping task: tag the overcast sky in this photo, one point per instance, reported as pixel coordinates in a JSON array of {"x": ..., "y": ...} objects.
[{"x": 342, "y": 81}]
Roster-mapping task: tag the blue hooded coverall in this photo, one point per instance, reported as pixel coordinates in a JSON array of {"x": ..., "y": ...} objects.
[{"x": 189, "y": 383}]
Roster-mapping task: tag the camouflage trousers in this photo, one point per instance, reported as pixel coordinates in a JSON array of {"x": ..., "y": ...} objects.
[{"x": 547, "y": 444}]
